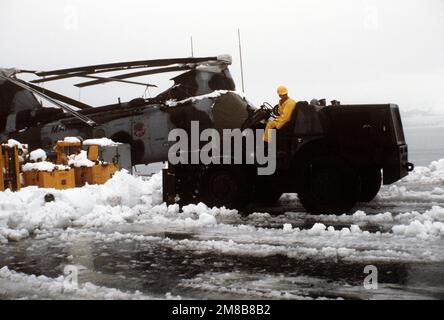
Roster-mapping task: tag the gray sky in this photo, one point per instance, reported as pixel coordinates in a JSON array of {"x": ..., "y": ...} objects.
[{"x": 352, "y": 50}]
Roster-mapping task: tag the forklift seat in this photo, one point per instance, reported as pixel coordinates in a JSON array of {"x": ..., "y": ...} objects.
[{"x": 286, "y": 133}]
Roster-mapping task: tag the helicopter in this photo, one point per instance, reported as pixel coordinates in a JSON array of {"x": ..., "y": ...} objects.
[{"x": 144, "y": 123}]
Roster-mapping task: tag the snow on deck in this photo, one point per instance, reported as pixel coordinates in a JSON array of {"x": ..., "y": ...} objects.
[
  {"x": 128, "y": 199},
  {"x": 404, "y": 224},
  {"x": 23, "y": 285}
]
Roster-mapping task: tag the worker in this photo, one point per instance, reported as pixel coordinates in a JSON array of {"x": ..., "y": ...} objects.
[{"x": 286, "y": 107}]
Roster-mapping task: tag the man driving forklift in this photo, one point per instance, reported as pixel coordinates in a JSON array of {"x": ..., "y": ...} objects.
[{"x": 286, "y": 108}]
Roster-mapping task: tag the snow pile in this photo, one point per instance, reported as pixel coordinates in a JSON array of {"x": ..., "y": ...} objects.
[
  {"x": 421, "y": 225},
  {"x": 12, "y": 143},
  {"x": 396, "y": 193},
  {"x": 43, "y": 166},
  {"x": 72, "y": 140},
  {"x": 40, "y": 166},
  {"x": 123, "y": 199},
  {"x": 80, "y": 160},
  {"x": 93, "y": 205},
  {"x": 37, "y": 155},
  {"x": 212, "y": 95},
  {"x": 423, "y": 185},
  {"x": 435, "y": 214},
  {"x": 190, "y": 217},
  {"x": 321, "y": 229},
  {"x": 358, "y": 217},
  {"x": 287, "y": 227},
  {"x": 205, "y": 218},
  {"x": 15, "y": 283},
  {"x": 103, "y": 142},
  {"x": 23, "y": 148},
  {"x": 434, "y": 173},
  {"x": 419, "y": 229}
]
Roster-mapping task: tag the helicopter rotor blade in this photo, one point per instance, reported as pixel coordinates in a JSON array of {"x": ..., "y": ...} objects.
[
  {"x": 60, "y": 97},
  {"x": 24, "y": 85},
  {"x": 125, "y": 65},
  {"x": 133, "y": 75},
  {"x": 120, "y": 80},
  {"x": 68, "y": 75}
]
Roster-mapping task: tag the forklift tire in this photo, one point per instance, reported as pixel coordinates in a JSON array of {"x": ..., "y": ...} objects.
[
  {"x": 226, "y": 186},
  {"x": 371, "y": 180},
  {"x": 331, "y": 186}
]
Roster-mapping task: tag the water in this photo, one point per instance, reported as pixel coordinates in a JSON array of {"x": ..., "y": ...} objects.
[{"x": 425, "y": 144}]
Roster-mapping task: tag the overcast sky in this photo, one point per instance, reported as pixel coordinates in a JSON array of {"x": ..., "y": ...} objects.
[{"x": 353, "y": 50}]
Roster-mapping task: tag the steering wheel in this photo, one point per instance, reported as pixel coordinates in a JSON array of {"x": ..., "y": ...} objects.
[
  {"x": 264, "y": 112},
  {"x": 276, "y": 111}
]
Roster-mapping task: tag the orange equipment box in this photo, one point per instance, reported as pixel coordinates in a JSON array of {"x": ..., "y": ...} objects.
[
  {"x": 57, "y": 179},
  {"x": 98, "y": 174}
]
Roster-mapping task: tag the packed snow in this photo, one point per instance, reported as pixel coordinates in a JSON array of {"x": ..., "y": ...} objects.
[
  {"x": 80, "y": 160},
  {"x": 37, "y": 155},
  {"x": 23, "y": 148},
  {"x": 56, "y": 288},
  {"x": 72, "y": 140},
  {"x": 43, "y": 166},
  {"x": 14, "y": 143},
  {"x": 102, "y": 142},
  {"x": 432, "y": 174},
  {"x": 212, "y": 95}
]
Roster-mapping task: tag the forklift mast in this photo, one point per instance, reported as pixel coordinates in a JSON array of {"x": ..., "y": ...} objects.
[{"x": 9, "y": 168}]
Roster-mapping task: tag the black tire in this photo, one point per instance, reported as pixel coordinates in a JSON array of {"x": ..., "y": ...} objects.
[
  {"x": 227, "y": 186},
  {"x": 265, "y": 195},
  {"x": 371, "y": 180},
  {"x": 331, "y": 186}
]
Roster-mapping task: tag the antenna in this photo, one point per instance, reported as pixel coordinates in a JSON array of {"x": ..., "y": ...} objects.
[
  {"x": 192, "y": 47},
  {"x": 240, "y": 56}
]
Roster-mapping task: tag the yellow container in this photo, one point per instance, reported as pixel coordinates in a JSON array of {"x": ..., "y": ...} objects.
[
  {"x": 42, "y": 179},
  {"x": 93, "y": 152},
  {"x": 30, "y": 178},
  {"x": 98, "y": 174},
  {"x": 58, "y": 179},
  {"x": 65, "y": 179}
]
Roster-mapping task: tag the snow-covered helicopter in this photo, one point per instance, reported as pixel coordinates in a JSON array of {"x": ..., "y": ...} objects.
[{"x": 144, "y": 123}]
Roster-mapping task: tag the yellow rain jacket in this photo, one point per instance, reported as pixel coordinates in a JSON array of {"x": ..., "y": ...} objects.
[{"x": 285, "y": 111}]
